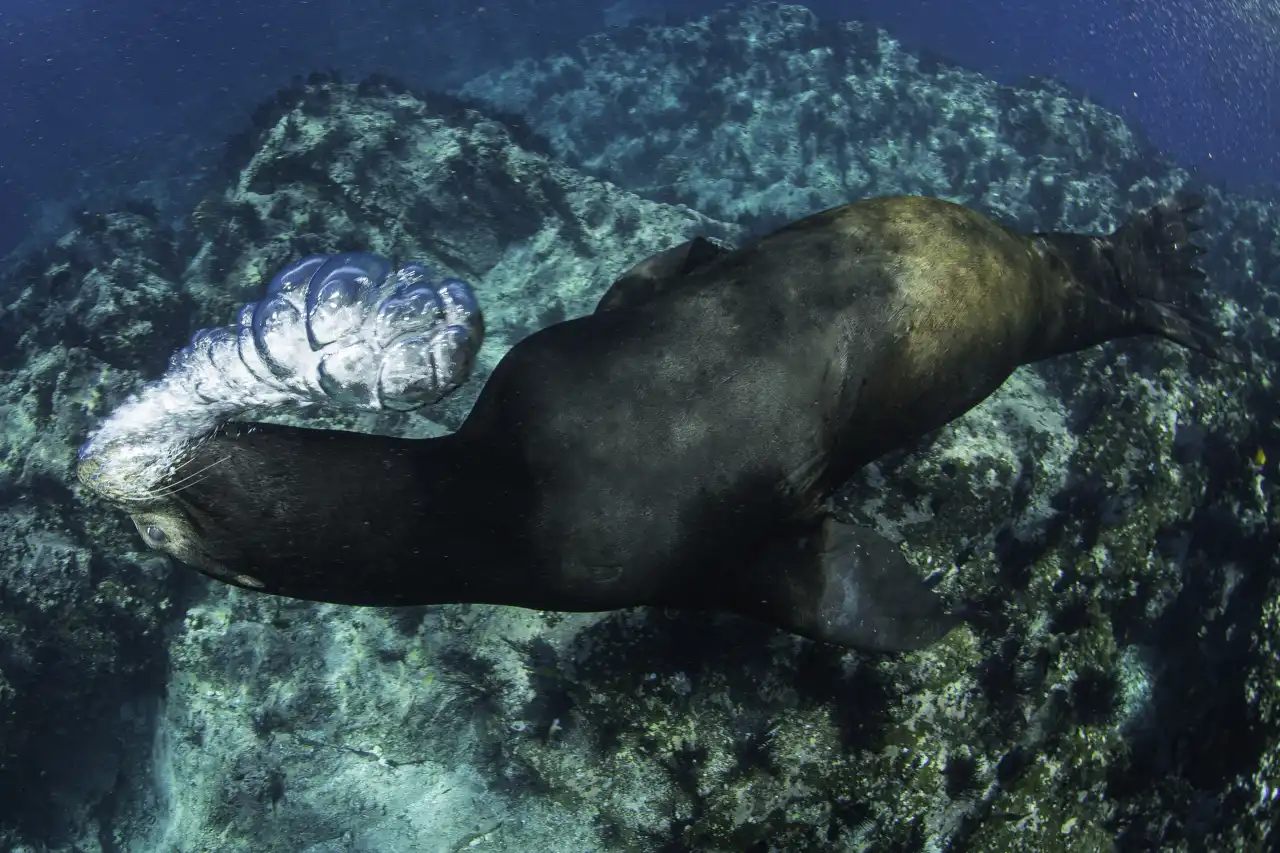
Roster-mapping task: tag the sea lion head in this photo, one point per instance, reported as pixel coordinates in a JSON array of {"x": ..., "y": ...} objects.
[
  {"x": 168, "y": 528},
  {"x": 320, "y": 515},
  {"x": 349, "y": 332},
  {"x": 180, "y": 514}
]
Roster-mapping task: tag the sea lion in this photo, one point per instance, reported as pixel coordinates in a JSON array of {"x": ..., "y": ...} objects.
[{"x": 675, "y": 447}]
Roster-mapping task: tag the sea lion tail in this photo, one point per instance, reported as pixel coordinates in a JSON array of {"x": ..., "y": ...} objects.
[{"x": 1157, "y": 266}]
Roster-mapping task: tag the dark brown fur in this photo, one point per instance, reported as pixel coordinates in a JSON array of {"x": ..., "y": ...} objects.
[{"x": 675, "y": 447}]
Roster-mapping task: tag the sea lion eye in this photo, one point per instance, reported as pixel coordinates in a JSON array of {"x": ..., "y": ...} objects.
[{"x": 155, "y": 535}]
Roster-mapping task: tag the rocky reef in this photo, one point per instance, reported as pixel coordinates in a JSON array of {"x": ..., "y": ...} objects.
[{"x": 1110, "y": 512}]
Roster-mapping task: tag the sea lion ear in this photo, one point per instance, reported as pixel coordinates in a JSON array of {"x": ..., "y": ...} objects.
[{"x": 657, "y": 273}]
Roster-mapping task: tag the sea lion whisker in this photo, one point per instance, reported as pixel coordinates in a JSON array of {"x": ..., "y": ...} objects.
[
  {"x": 169, "y": 492},
  {"x": 190, "y": 479},
  {"x": 195, "y": 476}
]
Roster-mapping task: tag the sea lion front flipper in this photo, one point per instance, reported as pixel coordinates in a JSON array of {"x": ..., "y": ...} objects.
[
  {"x": 850, "y": 586},
  {"x": 657, "y": 272}
]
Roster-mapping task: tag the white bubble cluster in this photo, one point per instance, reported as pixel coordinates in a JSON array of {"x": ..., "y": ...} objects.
[{"x": 337, "y": 332}]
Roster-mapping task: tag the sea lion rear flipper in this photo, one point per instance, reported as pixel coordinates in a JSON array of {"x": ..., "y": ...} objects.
[
  {"x": 1157, "y": 264},
  {"x": 850, "y": 586},
  {"x": 657, "y": 272},
  {"x": 1143, "y": 278}
]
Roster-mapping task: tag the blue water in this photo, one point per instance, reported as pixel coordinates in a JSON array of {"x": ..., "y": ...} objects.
[
  {"x": 99, "y": 96},
  {"x": 1201, "y": 79}
]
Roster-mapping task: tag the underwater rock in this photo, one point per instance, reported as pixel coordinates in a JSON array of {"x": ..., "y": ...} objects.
[
  {"x": 763, "y": 114},
  {"x": 81, "y": 608},
  {"x": 109, "y": 287}
]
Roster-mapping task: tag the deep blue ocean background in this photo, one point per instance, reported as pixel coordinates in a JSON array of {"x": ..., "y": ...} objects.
[{"x": 103, "y": 96}]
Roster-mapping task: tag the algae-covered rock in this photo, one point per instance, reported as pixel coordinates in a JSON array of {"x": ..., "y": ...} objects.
[
  {"x": 82, "y": 657},
  {"x": 766, "y": 113}
]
